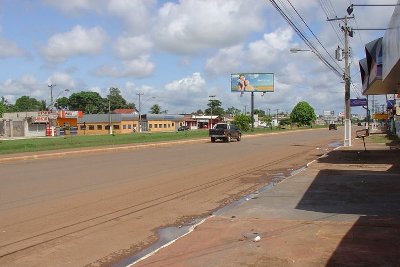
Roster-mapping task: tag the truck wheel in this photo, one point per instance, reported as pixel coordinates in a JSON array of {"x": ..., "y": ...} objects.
[
  {"x": 239, "y": 137},
  {"x": 228, "y": 139},
  {"x": 212, "y": 139}
]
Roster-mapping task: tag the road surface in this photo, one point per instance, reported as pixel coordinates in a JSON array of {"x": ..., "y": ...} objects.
[{"x": 98, "y": 208}]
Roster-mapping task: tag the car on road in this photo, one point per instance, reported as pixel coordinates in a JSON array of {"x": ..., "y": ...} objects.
[
  {"x": 225, "y": 132},
  {"x": 332, "y": 126},
  {"x": 183, "y": 128}
]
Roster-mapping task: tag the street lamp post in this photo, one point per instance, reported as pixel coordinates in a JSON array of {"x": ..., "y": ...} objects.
[
  {"x": 51, "y": 94},
  {"x": 347, "y": 124},
  {"x": 139, "y": 120}
]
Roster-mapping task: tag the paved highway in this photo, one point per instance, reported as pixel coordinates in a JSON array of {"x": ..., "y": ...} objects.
[{"x": 97, "y": 208}]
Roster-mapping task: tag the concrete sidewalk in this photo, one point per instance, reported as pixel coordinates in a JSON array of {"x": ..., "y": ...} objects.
[{"x": 343, "y": 210}]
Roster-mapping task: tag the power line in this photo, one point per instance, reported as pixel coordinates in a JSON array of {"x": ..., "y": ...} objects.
[
  {"x": 330, "y": 15},
  {"x": 305, "y": 39},
  {"x": 314, "y": 34}
]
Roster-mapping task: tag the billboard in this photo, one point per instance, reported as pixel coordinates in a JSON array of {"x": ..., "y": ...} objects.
[
  {"x": 252, "y": 82},
  {"x": 329, "y": 113}
]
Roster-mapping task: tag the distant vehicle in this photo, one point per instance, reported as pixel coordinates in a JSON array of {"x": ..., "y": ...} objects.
[
  {"x": 332, "y": 126},
  {"x": 225, "y": 132},
  {"x": 183, "y": 128}
]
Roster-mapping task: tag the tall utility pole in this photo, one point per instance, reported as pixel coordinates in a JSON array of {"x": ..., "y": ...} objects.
[
  {"x": 211, "y": 106},
  {"x": 252, "y": 111},
  {"x": 347, "y": 119},
  {"x": 277, "y": 118},
  {"x": 51, "y": 94},
  {"x": 109, "y": 116},
  {"x": 140, "y": 119}
]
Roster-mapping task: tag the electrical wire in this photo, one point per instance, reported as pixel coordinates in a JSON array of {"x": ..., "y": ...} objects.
[
  {"x": 314, "y": 34},
  {"x": 305, "y": 39}
]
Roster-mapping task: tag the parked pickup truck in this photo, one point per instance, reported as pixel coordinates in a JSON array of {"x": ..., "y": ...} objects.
[{"x": 225, "y": 132}]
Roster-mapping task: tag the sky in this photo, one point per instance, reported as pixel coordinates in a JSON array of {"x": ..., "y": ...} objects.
[{"x": 178, "y": 53}]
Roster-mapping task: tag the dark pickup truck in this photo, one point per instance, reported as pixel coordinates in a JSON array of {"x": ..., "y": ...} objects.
[{"x": 225, "y": 132}]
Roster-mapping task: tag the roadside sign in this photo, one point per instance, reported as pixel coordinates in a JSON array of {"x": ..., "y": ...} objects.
[{"x": 358, "y": 102}]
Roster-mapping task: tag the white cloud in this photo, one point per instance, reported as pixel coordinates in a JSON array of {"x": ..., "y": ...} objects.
[
  {"x": 271, "y": 48},
  {"x": 227, "y": 60},
  {"x": 190, "y": 84},
  {"x": 128, "y": 47},
  {"x": 184, "y": 94},
  {"x": 78, "y": 41},
  {"x": 138, "y": 67},
  {"x": 72, "y": 6},
  {"x": 9, "y": 49},
  {"x": 26, "y": 85},
  {"x": 62, "y": 80},
  {"x": 192, "y": 26},
  {"x": 137, "y": 14}
]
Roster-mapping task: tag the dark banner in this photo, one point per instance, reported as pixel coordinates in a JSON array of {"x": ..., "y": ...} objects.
[{"x": 358, "y": 102}]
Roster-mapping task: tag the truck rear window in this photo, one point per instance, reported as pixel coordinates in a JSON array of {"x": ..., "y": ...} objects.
[{"x": 221, "y": 126}]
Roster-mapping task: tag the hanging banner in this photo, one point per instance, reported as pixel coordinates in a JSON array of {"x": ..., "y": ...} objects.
[{"x": 358, "y": 102}]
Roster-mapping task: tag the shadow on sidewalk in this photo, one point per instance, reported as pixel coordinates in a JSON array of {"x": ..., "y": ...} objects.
[{"x": 366, "y": 184}]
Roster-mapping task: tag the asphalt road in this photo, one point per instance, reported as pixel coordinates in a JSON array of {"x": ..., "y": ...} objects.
[{"x": 98, "y": 208}]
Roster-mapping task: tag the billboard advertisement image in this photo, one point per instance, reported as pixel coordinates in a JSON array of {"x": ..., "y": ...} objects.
[{"x": 252, "y": 82}]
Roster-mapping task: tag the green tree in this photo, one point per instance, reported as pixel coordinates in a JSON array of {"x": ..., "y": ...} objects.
[
  {"x": 259, "y": 112},
  {"x": 285, "y": 121},
  {"x": 198, "y": 112},
  {"x": 62, "y": 102},
  {"x": 155, "y": 109},
  {"x": 6, "y": 105},
  {"x": 88, "y": 102},
  {"x": 116, "y": 99},
  {"x": 243, "y": 122},
  {"x": 3, "y": 106},
  {"x": 303, "y": 114},
  {"x": 26, "y": 103},
  {"x": 232, "y": 110},
  {"x": 215, "y": 105}
]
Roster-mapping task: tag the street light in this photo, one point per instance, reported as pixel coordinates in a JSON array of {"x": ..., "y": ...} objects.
[
  {"x": 140, "y": 109},
  {"x": 350, "y": 8},
  {"x": 295, "y": 50},
  {"x": 211, "y": 106}
]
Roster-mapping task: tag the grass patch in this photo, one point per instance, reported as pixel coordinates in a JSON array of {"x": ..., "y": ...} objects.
[
  {"x": 66, "y": 142},
  {"x": 383, "y": 139}
]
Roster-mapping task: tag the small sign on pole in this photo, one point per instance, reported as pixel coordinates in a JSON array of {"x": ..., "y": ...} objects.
[{"x": 358, "y": 102}]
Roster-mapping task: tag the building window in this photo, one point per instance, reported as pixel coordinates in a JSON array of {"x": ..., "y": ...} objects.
[
  {"x": 107, "y": 127},
  {"x": 169, "y": 125},
  {"x": 165, "y": 125},
  {"x": 99, "y": 127},
  {"x": 129, "y": 126},
  {"x": 134, "y": 125},
  {"x": 91, "y": 127},
  {"x": 173, "y": 124},
  {"x": 160, "y": 125},
  {"x": 82, "y": 127},
  {"x": 155, "y": 125},
  {"x": 124, "y": 127},
  {"x": 116, "y": 127},
  {"x": 150, "y": 126}
]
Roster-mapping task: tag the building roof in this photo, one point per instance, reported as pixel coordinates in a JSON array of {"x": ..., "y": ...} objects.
[
  {"x": 102, "y": 118},
  {"x": 124, "y": 111}
]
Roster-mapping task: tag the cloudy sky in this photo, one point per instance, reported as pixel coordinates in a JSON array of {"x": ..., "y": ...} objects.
[{"x": 180, "y": 52}]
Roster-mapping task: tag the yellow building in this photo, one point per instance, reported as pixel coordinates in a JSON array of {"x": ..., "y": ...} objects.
[{"x": 91, "y": 124}]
